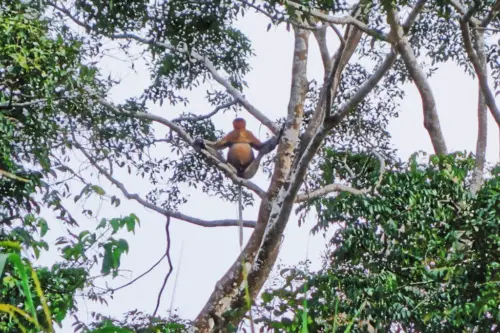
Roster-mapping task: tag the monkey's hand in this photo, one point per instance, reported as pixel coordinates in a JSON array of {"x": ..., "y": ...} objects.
[{"x": 199, "y": 144}]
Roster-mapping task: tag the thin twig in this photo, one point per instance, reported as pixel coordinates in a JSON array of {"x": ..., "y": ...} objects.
[
  {"x": 171, "y": 267},
  {"x": 206, "y": 116}
]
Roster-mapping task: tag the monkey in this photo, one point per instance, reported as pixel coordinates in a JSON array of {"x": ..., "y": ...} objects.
[{"x": 241, "y": 143}]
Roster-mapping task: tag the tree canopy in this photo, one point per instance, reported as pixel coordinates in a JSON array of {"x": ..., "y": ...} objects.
[{"x": 417, "y": 249}]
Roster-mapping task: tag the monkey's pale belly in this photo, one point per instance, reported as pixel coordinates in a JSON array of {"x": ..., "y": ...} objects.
[{"x": 240, "y": 155}]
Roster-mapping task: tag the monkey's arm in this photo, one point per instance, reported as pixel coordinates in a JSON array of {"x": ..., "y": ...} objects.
[
  {"x": 200, "y": 144},
  {"x": 252, "y": 140},
  {"x": 226, "y": 141}
]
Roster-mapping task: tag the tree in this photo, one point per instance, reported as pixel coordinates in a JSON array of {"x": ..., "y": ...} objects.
[
  {"x": 189, "y": 43},
  {"x": 420, "y": 256}
]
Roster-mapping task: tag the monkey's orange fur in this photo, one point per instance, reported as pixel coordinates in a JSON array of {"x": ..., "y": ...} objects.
[{"x": 240, "y": 142}]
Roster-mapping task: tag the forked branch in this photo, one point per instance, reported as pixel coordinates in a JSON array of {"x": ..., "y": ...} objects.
[{"x": 344, "y": 188}]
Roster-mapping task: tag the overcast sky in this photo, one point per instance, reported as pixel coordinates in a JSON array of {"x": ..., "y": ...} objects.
[{"x": 207, "y": 253}]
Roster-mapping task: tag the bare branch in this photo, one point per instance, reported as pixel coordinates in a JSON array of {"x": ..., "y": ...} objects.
[
  {"x": 480, "y": 70},
  {"x": 208, "y": 115},
  {"x": 12, "y": 176},
  {"x": 192, "y": 55},
  {"x": 165, "y": 212},
  {"x": 431, "y": 118},
  {"x": 367, "y": 86},
  {"x": 331, "y": 81},
  {"x": 345, "y": 20}
]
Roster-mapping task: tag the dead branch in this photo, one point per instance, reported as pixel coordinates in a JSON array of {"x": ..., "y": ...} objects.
[{"x": 431, "y": 118}]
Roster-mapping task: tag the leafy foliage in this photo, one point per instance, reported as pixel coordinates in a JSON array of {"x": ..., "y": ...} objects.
[{"x": 421, "y": 254}]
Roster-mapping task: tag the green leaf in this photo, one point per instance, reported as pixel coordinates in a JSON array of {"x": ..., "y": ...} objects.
[{"x": 97, "y": 189}]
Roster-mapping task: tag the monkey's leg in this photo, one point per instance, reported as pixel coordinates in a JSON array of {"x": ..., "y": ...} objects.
[{"x": 267, "y": 147}]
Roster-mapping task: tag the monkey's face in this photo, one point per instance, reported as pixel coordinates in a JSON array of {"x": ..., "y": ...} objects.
[{"x": 239, "y": 124}]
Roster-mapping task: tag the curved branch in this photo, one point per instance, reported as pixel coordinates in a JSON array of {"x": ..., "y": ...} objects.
[
  {"x": 165, "y": 212},
  {"x": 345, "y": 188},
  {"x": 327, "y": 190}
]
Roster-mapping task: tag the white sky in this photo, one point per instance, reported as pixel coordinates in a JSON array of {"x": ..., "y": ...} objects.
[{"x": 209, "y": 252}]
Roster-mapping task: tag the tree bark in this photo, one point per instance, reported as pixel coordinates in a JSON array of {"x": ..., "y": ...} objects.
[
  {"x": 228, "y": 293},
  {"x": 482, "y": 123}
]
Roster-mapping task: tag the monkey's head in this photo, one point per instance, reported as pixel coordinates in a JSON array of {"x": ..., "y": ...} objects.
[{"x": 239, "y": 124}]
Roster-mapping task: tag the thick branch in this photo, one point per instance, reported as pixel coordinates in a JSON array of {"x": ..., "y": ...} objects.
[
  {"x": 165, "y": 212},
  {"x": 482, "y": 125},
  {"x": 345, "y": 20},
  {"x": 431, "y": 118},
  {"x": 480, "y": 69},
  {"x": 320, "y": 35}
]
